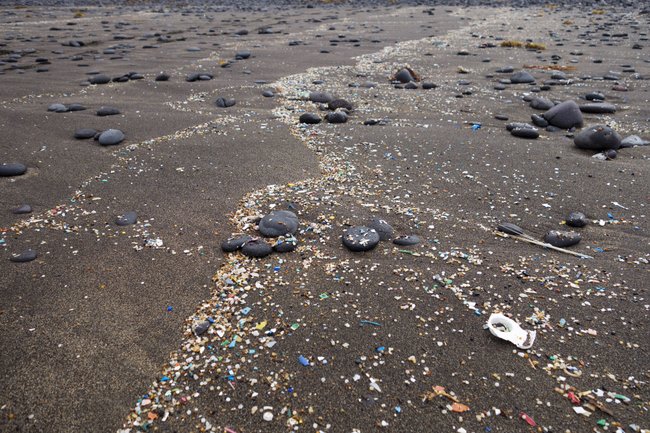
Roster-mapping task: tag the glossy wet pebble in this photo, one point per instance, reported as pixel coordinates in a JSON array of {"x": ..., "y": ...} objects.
[
  {"x": 83, "y": 133},
  {"x": 562, "y": 239},
  {"x": 576, "y": 219},
  {"x": 256, "y": 248},
  {"x": 25, "y": 256},
  {"x": 235, "y": 243},
  {"x": 126, "y": 219},
  {"x": 278, "y": 223},
  {"x": 22, "y": 209},
  {"x": 598, "y": 137},
  {"x": 12, "y": 169},
  {"x": 360, "y": 238},
  {"x": 565, "y": 115},
  {"x": 111, "y": 137},
  {"x": 406, "y": 240},
  {"x": 310, "y": 118},
  {"x": 525, "y": 132},
  {"x": 383, "y": 229}
]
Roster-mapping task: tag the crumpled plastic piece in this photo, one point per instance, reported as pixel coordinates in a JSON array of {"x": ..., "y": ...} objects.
[{"x": 509, "y": 330}]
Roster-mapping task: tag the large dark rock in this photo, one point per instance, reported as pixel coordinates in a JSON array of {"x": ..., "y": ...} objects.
[
  {"x": 599, "y": 137},
  {"x": 562, "y": 239},
  {"x": 359, "y": 238},
  {"x": 565, "y": 115},
  {"x": 12, "y": 169},
  {"x": 278, "y": 223}
]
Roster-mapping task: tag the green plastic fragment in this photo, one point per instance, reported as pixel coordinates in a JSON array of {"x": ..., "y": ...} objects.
[
  {"x": 295, "y": 326},
  {"x": 601, "y": 422}
]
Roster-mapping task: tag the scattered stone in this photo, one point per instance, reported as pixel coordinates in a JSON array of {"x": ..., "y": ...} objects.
[
  {"x": 599, "y": 137},
  {"x": 257, "y": 248},
  {"x": 285, "y": 244},
  {"x": 107, "y": 111},
  {"x": 428, "y": 85},
  {"x": 406, "y": 240},
  {"x": 22, "y": 209},
  {"x": 337, "y": 117},
  {"x": 162, "y": 77},
  {"x": 339, "y": 103},
  {"x": 12, "y": 169},
  {"x": 235, "y": 243},
  {"x": 405, "y": 75},
  {"x": 57, "y": 108},
  {"x": 598, "y": 108},
  {"x": 594, "y": 96},
  {"x": 541, "y": 104},
  {"x": 383, "y": 229},
  {"x": 525, "y": 132},
  {"x": 225, "y": 102},
  {"x": 565, "y": 115},
  {"x": 562, "y": 239},
  {"x": 576, "y": 219},
  {"x": 539, "y": 120},
  {"x": 321, "y": 97},
  {"x": 278, "y": 223},
  {"x": 127, "y": 219},
  {"x": 242, "y": 55},
  {"x": 100, "y": 79},
  {"x": 83, "y": 133},
  {"x": 521, "y": 77},
  {"x": 359, "y": 238},
  {"x": 634, "y": 140},
  {"x": 25, "y": 256},
  {"x": 111, "y": 137},
  {"x": 268, "y": 93},
  {"x": 201, "y": 327},
  {"x": 310, "y": 118}
]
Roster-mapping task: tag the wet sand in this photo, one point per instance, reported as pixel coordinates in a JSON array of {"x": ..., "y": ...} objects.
[{"x": 97, "y": 331}]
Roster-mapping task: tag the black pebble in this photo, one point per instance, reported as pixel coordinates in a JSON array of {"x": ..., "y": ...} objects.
[
  {"x": 256, "y": 248},
  {"x": 22, "y": 209},
  {"x": 12, "y": 169},
  {"x": 383, "y": 229},
  {"x": 278, "y": 223},
  {"x": 233, "y": 244},
  {"x": 25, "y": 256},
  {"x": 83, "y": 133},
  {"x": 225, "y": 102},
  {"x": 310, "y": 118},
  {"x": 576, "y": 219},
  {"x": 126, "y": 219},
  {"x": 337, "y": 117},
  {"x": 562, "y": 239},
  {"x": 406, "y": 240},
  {"x": 107, "y": 111}
]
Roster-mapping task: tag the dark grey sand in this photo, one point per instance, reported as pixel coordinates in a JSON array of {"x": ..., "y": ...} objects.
[{"x": 98, "y": 333}]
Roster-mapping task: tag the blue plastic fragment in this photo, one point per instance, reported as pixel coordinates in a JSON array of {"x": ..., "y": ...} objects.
[
  {"x": 246, "y": 310},
  {"x": 476, "y": 126},
  {"x": 276, "y": 269},
  {"x": 303, "y": 361},
  {"x": 232, "y": 343},
  {"x": 610, "y": 216},
  {"x": 380, "y": 349},
  {"x": 398, "y": 409},
  {"x": 210, "y": 319},
  {"x": 170, "y": 308},
  {"x": 164, "y": 379},
  {"x": 599, "y": 250}
]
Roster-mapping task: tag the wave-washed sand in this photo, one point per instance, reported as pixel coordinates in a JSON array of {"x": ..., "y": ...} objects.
[{"x": 131, "y": 317}]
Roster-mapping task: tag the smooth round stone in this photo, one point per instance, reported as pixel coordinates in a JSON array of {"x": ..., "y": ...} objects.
[
  {"x": 75, "y": 107},
  {"x": 12, "y": 169},
  {"x": 321, "y": 97},
  {"x": 111, "y": 137},
  {"x": 521, "y": 77},
  {"x": 127, "y": 219},
  {"x": 541, "y": 104},
  {"x": 598, "y": 137},
  {"x": 278, "y": 223},
  {"x": 539, "y": 120},
  {"x": 576, "y": 219},
  {"x": 310, "y": 118},
  {"x": 235, "y": 243},
  {"x": 256, "y": 248},
  {"x": 22, "y": 209},
  {"x": 403, "y": 76},
  {"x": 506, "y": 70},
  {"x": 383, "y": 229},
  {"x": 25, "y": 256},
  {"x": 406, "y": 240},
  {"x": 225, "y": 102},
  {"x": 598, "y": 108},
  {"x": 57, "y": 108},
  {"x": 501, "y": 117},
  {"x": 427, "y": 85},
  {"x": 525, "y": 132},
  {"x": 100, "y": 79},
  {"x": 268, "y": 93},
  {"x": 242, "y": 55},
  {"x": 107, "y": 111},
  {"x": 201, "y": 326},
  {"x": 285, "y": 245},
  {"x": 83, "y": 133},
  {"x": 359, "y": 238},
  {"x": 611, "y": 154},
  {"x": 337, "y": 117},
  {"x": 562, "y": 239},
  {"x": 339, "y": 103},
  {"x": 634, "y": 140},
  {"x": 411, "y": 86},
  {"x": 594, "y": 96},
  {"x": 564, "y": 115},
  {"x": 162, "y": 77}
]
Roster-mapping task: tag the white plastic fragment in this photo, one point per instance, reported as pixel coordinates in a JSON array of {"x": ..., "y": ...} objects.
[{"x": 507, "y": 329}]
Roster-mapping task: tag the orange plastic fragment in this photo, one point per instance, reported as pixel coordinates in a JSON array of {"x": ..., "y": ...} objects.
[{"x": 459, "y": 407}]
